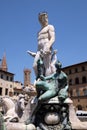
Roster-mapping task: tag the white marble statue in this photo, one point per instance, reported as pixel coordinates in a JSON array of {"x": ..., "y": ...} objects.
[{"x": 46, "y": 38}]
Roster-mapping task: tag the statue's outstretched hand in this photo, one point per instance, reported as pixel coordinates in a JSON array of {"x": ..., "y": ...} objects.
[{"x": 31, "y": 53}]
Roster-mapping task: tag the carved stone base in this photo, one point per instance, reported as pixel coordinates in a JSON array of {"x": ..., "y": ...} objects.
[
  {"x": 52, "y": 115},
  {"x": 55, "y": 116}
]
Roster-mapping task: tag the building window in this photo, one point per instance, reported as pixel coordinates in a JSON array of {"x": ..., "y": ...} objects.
[
  {"x": 79, "y": 107},
  {"x": 10, "y": 94},
  {"x": 83, "y": 79},
  {"x": 77, "y": 92},
  {"x": 0, "y": 91},
  {"x": 15, "y": 93},
  {"x": 78, "y": 100},
  {"x": 11, "y": 78},
  {"x": 1, "y": 76},
  {"x": 76, "y": 80},
  {"x": 70, "y": 72},
  {"x": 85, "y": 91},
  {"x": 10, "y": 86},
  {"x": 76, "y": 70},
  {"x": 7, "y": 77},
  {"x": 70, "y": 82},
  {"x": 6, "y": 91},
  {"x": 83, "y": 68}
]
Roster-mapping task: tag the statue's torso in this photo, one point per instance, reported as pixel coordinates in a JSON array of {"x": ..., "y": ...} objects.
[{"x": 44, "y": 37}]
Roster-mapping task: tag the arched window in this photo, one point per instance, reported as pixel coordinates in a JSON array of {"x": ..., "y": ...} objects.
[
  {"x": 83, "y": 79},
  {"x": 77, "y": 80}
]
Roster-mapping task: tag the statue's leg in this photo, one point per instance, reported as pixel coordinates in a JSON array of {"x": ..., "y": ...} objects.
[
  {"x": 40, "y": 86},
  {"x": 48, "y": 94},
  {"x": 47, "y": 61},
  {"x": 63, "y": 93}
]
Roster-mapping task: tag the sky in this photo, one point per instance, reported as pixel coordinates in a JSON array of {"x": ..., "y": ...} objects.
[{"x": 19, "y": 26}]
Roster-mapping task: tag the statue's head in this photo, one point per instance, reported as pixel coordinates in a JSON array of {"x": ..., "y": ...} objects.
[
  {"x": 43, "y": 18},
  {"x": 58, "y": 65}
]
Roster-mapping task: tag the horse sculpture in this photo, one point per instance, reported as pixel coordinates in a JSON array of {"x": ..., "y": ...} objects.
[
  {"x": 16, "y": 113},
  {"x": 8, "y": 107}
]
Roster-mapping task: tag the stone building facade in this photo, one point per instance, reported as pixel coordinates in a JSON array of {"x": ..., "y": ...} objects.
[
  {"x": 77, "y": 80},
  {"x": 7, "y": 83},
  {"x": 9, "y": 87}
]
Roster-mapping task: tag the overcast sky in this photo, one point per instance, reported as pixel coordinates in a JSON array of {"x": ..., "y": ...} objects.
[{"x": 19, "y": 27}]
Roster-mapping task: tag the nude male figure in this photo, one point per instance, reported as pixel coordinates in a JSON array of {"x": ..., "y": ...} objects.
[{"x": 46, "y": 38}]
